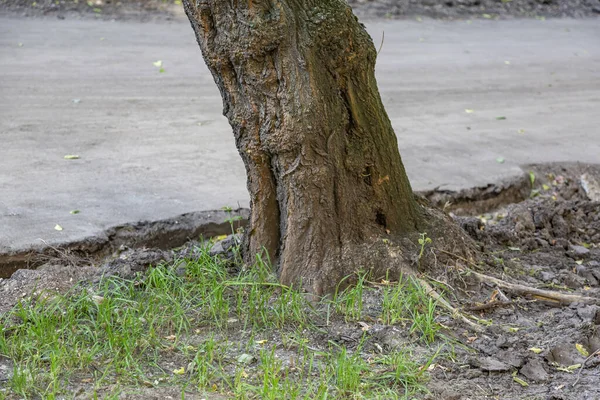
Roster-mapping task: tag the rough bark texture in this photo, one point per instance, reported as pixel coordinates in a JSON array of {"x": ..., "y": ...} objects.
[{"x": 325, "y": 177}]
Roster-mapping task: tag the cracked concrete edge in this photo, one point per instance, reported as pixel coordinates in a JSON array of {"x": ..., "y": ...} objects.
[
  {"x": 163, "y": 234},
  {"x": 481, "y": 199},
  {"x": 514, "y": 189},
  {"x": 173, "y": 232}
]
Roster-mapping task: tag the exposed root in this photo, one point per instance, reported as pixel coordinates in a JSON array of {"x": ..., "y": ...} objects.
[
  {"x": 522, "y": 290},
  {"x": 539, "y": 294},
  {"x": 490, "y": 305},
  {"x": 594, "y": 354},
  {"x": 455, "y": 312}
]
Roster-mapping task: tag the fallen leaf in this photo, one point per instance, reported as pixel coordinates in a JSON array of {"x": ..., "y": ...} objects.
[
  {"x": 179, "y": 371},
  {"x": 520, "y": 381},
  {"x": 582, "y": 350},
  {"x": 579, "y": 262},
  {"x": 536, "y": 350},
  {"x": 171, "y": 337},
  {"x": 513, "y": 330},
  {"x": 74, "y": 212},
  {"x": 261, "y": 341},
  {"x": 568, "y": 369},
  {"x": 71, "y": 157},
  {"x": 58, "y": 227},
  {"x": 157, "y": 64}
]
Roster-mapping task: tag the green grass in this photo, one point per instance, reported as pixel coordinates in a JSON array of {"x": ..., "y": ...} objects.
[
  {"x": 407, "y": 303},
  {"x": 191, "y": 329}
]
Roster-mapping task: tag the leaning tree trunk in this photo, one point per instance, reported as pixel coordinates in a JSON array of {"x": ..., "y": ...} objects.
[{"x": 328, "y": 190}]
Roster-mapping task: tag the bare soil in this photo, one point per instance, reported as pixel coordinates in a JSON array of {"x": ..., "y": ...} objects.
[
  {"x": 487, "y": 9},
  {"x": 529, "y": 349}
]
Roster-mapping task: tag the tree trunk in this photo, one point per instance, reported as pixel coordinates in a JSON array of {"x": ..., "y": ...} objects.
[{"x": 328, "y": 189}]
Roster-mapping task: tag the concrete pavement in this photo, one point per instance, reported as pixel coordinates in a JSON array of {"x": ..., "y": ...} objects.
[{"x": 154, "y": 145}]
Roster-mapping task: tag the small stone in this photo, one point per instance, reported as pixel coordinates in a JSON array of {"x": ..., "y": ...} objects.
[
  {"x": 578, "y": 251},
  {"x": 547, "y": 276},
  {"x": 489, "y": 364},
  {"x": 217, "y": 249},
  {"x": 534, "y": 370},
  {"x": 573, "y": 281},
  {"x": 590, "y": 186},
  {"x": 564, "y": 354},
  {"x": 502, "y": 342},
  {"x": 587, "y": 274},
  {"x": 245, "y": 358},
  {"x": 588, "y": 313},
  {"x": 511, "y": 358}
]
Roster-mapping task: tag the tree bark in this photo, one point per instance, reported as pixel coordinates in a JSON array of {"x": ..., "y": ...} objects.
[{"x": 328, "y": 189}]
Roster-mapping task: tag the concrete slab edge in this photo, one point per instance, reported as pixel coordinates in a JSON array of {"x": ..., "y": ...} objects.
[{"x": 163, "y": 234}]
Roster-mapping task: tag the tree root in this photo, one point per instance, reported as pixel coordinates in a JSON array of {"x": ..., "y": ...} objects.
[
  {"x": 522, "y": 290},
  {"x": 594, "y": 354},
  {"x": 539, "y": 294},
  {"x": 442, "y": 302}
]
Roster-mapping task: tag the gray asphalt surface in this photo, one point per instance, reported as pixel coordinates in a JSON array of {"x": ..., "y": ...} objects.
[{"x": 154, "y": 145}]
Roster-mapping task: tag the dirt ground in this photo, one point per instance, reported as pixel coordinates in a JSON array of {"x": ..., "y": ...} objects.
[
  {"x": 530, "y": 348},
  {"x": 366, "y": 9},
  {"x": 463, "y": 9}
]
